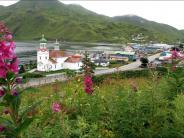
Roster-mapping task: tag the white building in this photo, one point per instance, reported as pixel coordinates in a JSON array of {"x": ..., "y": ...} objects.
[{"x": 56, "y": 59}]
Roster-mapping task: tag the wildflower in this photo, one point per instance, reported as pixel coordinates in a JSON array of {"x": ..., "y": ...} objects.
[
  {"x": 9, "y": 68},
  {"x": 56, "y": 107},
  {"x": 7, "y": 37},
  {"x": 14, "y": 66},
  {"x": 2, "y": 68},
  {"x": 174, "y": 54},
  {"x": 6, "y": 111},
  {"x": 15, "y": 93},
  {"x": 2, "y": 128},
  {"x": 1, "y": 93},
  {"x": 7, "y": 50},
  {"x": 18, "y": 80},
  {"x": 88, "y": 84}
]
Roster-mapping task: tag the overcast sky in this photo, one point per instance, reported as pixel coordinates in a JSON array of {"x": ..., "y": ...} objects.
[{"x": 168, "y": 12}]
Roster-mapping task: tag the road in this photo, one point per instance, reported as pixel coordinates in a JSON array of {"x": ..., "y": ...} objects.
[{"x": 130, "y": 66}]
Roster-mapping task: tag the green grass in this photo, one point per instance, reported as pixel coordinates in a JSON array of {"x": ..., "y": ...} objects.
[{"x": 115, "y": 109}]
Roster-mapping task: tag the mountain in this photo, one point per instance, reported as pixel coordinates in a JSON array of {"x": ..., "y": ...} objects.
[
  {"x": 157, "y": 30},
  {"x": 182, "y": 31},
  {"x": 29, "y": 19}
]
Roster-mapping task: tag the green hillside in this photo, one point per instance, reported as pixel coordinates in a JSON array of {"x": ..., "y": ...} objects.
[
  {"x": 29, "y": 19},
  {"x": 159, "y": 31},
  {"x": 182, "y": 31}
]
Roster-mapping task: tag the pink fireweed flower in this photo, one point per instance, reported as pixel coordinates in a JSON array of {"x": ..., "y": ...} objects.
[
  {"x": 88, "y": 84},
  {"x": 7, "y": 50},
  {"x": 2, "y": 128},
  {"x": 6, "y": 111},
  {"x": 174, "y": 54},
  {"x": 7, "y": 37},
  {"x": 56, "y": 107},
  {"x": 18, "y": 80},
  {"x": 2, "y": 72},
  {"x": 14, "y": 66},
  {"x": 8, "y": 59},
  {"x": 15, "y": 93},
  {"x": 2, "y": 93}
]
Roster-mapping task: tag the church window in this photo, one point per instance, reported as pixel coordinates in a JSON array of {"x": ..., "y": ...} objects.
[
  {"x": 55, "y": 66},
  {"x": 40, "y": 57},
  {"x": 45, "y": 57}
]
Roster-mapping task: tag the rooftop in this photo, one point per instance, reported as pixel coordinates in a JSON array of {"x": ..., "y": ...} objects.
[
  {"x": 57, "y": 53},
  {"x": 43, "y": 40},
  {"x": 124, "y": 53},
  {"x": 74, "y": 59}
]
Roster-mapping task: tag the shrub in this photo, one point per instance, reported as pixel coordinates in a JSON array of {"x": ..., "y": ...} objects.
[
  {"x": 162, "y": 70},
  {"x": 32, "y": 75},
  {"x": 144, "y": 62}
]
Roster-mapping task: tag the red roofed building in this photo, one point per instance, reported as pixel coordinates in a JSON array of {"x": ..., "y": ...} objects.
[
  {"x": 73, "y": 62},
  {"x": 56, "y": 59}
]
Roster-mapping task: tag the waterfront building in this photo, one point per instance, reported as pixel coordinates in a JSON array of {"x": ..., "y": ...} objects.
[
  {"x": 56, "y": 59},
  {"x": 100, "y": 59},
  {"x": 130, "y": 55},
  {"x": 119, "y": 58}
]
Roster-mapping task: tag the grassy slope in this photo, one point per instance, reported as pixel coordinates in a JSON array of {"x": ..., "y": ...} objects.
[{"x": 114, "y": 110}]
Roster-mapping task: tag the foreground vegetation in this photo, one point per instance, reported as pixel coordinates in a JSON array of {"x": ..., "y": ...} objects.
[{"x": 137, "y": 106}]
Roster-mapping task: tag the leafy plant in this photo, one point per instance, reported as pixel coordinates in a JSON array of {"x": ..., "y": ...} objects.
[{"x": 14, "y": 120}]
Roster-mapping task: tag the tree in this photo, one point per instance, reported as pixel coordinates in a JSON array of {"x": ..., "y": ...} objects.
[
  {"x": 181, "y": 45},
  {"x": 144, "y": 62},
  {"x": 88, "y": 67}
]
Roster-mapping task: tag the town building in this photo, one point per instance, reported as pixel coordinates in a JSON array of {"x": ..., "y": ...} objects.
[
  {"x": 118, "y": 58},
  {"x": 56, "y": 59},
  {"x": 131, "y": 55},
  {"x": 100, "y": 59}
]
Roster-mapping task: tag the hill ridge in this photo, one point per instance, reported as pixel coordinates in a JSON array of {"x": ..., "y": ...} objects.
[{"x": 29, "y": 19}]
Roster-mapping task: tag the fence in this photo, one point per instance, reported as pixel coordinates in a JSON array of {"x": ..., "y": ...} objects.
[{"x": 44, "y": 80}]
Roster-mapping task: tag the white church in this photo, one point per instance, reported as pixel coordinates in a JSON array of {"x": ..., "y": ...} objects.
[{"x": 56, "y": 59}]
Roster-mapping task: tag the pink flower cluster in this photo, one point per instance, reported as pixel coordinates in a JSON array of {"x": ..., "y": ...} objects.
[
  {"x": 8, "y": 59},
  {"x": 56, "y": 107},
  {"x": 2, "y": 128},
  {"x": 2, "y": 93},
  {"x": 177, "y": 55},
  {"x": 88, "y": 83}
]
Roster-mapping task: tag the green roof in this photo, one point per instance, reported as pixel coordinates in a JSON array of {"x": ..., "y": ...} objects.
[
  {"x": 124, "y": 53},
  {"x": 43, "y": 40}
]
